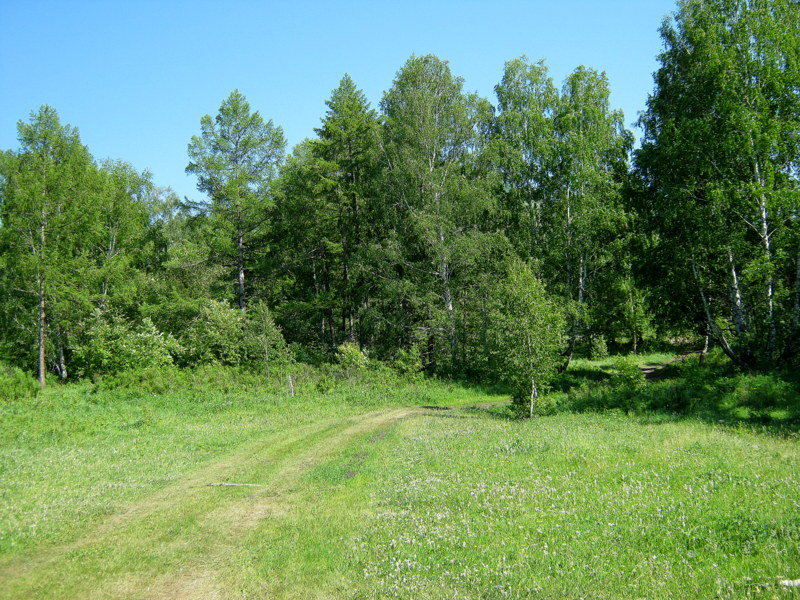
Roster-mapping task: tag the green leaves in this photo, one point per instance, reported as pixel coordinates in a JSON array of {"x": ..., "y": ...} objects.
[
  {"x": 235, "y": 159},
  {"x": 720, "y": 161},
  {"x": 525, "y": 333}
]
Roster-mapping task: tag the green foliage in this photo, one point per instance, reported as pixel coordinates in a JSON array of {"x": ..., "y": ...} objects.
[
  {"x": 216, "y": 336},
  {"x": 263, "y": 341},
  {"x": 627, "y": 375},
  {"x": 598, "y": 348},
  {"x": 712, "y": 390},
  {"x": 112, "y": 344},
  {"x": 408, "y": 361},
  {"x": 222, "y": 335},
  {"x": 562, "y": 159},
  {"x": 719, "y": 168},
  {"x": 351, "y": 358},
  {"x": 15, "y": 384},
  {"x": 524, "y": 335},
  {"x": 235, "y": 158}
]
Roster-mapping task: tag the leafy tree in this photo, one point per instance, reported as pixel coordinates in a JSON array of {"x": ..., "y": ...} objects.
[
  {"x": 49, "y": 198},
  {"x": 562, "y": 158},
  {"x": 719, "y": 166},
  {"x": 235, "y": 158},
  {"x": 525, "y": 335},
  {"x": 439, "y": 206}
]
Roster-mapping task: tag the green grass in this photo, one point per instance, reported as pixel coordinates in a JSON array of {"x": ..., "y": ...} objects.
[
  {"x": 78, "y": 452},
  {"x": 103, "y": 494},
  {"x": 459, "y": 504}
]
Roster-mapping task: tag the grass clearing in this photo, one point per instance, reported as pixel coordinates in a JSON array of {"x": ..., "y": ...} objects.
[{"x": 365, "y": 493}]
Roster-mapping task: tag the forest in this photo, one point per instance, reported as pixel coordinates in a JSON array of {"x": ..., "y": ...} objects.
[
  {"x": 474, "y": 239},
  {"x": 449, "y": 347}
]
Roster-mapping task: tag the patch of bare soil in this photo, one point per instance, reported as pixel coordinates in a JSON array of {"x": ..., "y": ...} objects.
[{"x": 656, "y": 372}]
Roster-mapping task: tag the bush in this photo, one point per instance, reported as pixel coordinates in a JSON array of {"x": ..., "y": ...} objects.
[
  {"x": 16, "y": 383},
  {"x": 226, "y": 336},
  {"x": 351, "y": 358},
  {"x": 408, "y": 362},
  {"x": 627, "y": 375},
  {"x": 112, "y": 344},
  {"x": 598, "y": 349},
  {"x": 764, "y": 392},
  {"x": 215, "y": 336}
]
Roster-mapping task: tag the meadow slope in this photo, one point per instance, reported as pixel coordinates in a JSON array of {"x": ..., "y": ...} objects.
[{"x": 390, "y": 499}]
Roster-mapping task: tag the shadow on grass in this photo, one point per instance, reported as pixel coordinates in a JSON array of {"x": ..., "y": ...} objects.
[{"x": 715, "y": 393}]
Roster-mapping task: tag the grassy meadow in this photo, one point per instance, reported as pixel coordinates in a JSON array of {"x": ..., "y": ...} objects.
[{"x": 223, "y": 485}]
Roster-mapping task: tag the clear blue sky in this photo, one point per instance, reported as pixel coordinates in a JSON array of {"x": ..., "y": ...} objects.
[{"x": 136, "y": 76}]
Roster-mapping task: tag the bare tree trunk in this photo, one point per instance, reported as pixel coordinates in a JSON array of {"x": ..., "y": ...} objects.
[
  {"x": 110, "y": 252},
  {"x": 62, "y": 364},
  {"x": 794, "y": 333},
  {"x": 534, "y": 395},
  {"x": 713, "y": 329},
  {"x": 42, "y": 335},
  {"x": 766, "y": 235},
  {"x": 634, "y": 331},
  {"x": 796, "y": 317},
  {"x": 444, "y": 274},
  {"x": 704, "y": 351},
  {"x": 240, "y": 263},
  {"x": 573, "y": 338},
  {"x": 736, "y": 296}
]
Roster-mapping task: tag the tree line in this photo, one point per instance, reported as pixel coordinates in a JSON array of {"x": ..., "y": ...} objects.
[{"x": 478, "y": 239}]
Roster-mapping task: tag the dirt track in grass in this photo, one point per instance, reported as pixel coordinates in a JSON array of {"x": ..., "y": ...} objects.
[{"x": 173, "y": 543}]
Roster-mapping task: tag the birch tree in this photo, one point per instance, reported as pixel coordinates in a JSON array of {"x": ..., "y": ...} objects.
[
  {"x": 430, "y": 137},
  {"x": 562, "y": 157},
  {"x": 720, "y": 163}
]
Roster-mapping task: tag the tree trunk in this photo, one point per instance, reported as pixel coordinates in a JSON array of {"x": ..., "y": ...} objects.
[
  {"x": 62, "y": 364},
  {"x": 573, "y": 338},
  {"x": 736, "y": 296},
  {"x": 704, "y": 351},
  {"x": 240, "y": 264},
  {"x": 534, "y": 395},
  {"x": 714, "y": 331},
  {"x": 42, "y": 335},
  {"x": 42, "y": 305},
  {"x": 766, "y": 235},
  {"x": 444, "y": 273},
  {"x": 794, "y": 333}
]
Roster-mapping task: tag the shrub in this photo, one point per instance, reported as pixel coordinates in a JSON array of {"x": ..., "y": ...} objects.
[
  {"x": 351, "y": 358},
  {"x": 112, "y": 344},
  {"x": 150, "y": 380},
  {"x": 226, "y": 336},
  {"x": 598, "y": 349},
  {"x": 215, "y": 336},
  {"x": 627, "y": 375},
  {"x": 408, "y": 361},
  {"x": 16, "y": 384}
]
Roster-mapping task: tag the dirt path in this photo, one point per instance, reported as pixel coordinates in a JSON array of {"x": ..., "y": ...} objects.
[
  {"x": 173, "y": 543},
  {"x": 655, "y": 372}
]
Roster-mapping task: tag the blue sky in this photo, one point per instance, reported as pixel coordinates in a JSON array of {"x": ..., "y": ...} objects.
[{"x": 136, "y": 76}]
